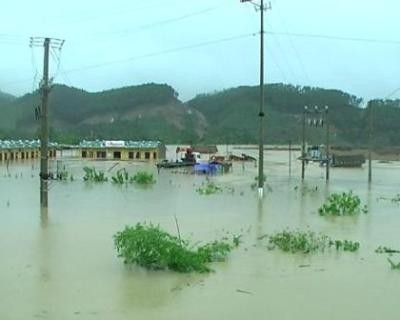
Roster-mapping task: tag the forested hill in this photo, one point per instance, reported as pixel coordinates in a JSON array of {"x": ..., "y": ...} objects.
[
  {"x": 153, "y": 111},
  {"x": 5, "y": 97},
  {"x": 233, "y": 115},
  {"x": 149, "y": 111}
]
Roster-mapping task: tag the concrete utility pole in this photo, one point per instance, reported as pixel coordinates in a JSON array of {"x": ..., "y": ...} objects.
[
  {"x": 261, "y": 113},
  {"x": 47, "y": 43},
  {"x": 303, "y": 143},
  {"x": 370, "y": 125},
  {"x": 327, "y": 142}
]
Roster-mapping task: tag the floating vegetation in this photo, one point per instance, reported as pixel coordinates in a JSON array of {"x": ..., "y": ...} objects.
[
  {"x": 94, "y": 176},
  {"x": 143, "y": 178},
  {"x": 342, "y": 204},
  {"x": 306, "y": 189},
  {"x": 64, "y": 175},
  {"x": 394, "y": 265},
  {"x": 208, "y": 188},
  {"x": 382, "y": 249},
  {"x": 395, "y": 199},
  {"x": 308, "y": 242},
  {"x": 121, "y": 177},
  {"x": 152, "y": 248}
]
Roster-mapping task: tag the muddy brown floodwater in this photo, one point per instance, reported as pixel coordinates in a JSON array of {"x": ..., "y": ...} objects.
[{"x": 61, "y": 264}]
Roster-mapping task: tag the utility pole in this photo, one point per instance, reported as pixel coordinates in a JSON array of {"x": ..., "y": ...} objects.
[
  {"x": 370, "y": 142},
  {"x": 45, "y": 87},
  {"x": 44, "y": 125},
  {"x": 303, "y": 143},
  {"x": 327, "y": 142},
  {"x": 261, "y": 113}
]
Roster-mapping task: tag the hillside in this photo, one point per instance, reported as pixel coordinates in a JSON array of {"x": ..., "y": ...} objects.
[
  {"x": 153, "y": 111},
  {"x": 149, "y": 111}
]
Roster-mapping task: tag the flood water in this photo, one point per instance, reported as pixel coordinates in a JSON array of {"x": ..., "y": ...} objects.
[{"x": 61, "y": 264}]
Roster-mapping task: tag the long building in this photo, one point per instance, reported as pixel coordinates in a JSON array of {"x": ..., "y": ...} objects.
[
  {"x": 122, "y": 150},
  {"x": 23, "y": 149}
]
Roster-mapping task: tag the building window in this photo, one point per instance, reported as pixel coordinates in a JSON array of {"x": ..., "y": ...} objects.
[
  {"x": 5, "y": 156},
  {"x": 147, "y": 155},
  {"x": 137, "y": 155},
  {"x": 1, "y": 156},
  {"x": 154, "y": 155},
  {"x": 32, "y": 154},
  {"x": 12, "y": 156},
  {"x": 23, "y": 155},
  {"x": 117, "y": 154},
  {"x": 101, "y": 154},
  {"x": 84, "y": 154},
  {"x": 130, "y": 155},
  {"x": 90, "y": 154},
  {"x": 27, "y": 155}
]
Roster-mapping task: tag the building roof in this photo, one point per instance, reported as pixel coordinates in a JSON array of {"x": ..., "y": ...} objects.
[
  {"x": 205, "y": 149},
  {"x": 22, "y": 144},
  {"x": 143, "y": 144}
]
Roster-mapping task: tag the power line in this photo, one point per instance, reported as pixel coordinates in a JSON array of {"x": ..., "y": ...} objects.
[
  {"x": 158, "y": 53},
  {"x": 296, "y": 52},
  {"x": 334, "y": 37}
]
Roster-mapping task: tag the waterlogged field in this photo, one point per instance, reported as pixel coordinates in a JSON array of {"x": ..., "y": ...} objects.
[{"x": 62, "y": 264}]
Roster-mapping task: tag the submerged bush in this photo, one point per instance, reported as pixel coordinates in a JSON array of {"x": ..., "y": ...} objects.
[
  {"x": 143, "y": 177},
  {"x": 94, "y": 176},
  {"x": 308, "y": 242},
  {"x": 342, "y": 204},
  {"x": 208, "y": 188},
  {"x": 152, "y": 248}
]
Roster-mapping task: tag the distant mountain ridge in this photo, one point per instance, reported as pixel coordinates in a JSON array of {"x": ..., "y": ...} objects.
[{"x": 154, "y": 111}]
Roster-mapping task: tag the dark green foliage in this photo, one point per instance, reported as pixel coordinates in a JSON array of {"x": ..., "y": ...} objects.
[
  {"x": 153, "y": 111},
  {"x": 342, "y": 204},
  {"x": 208, "y": 188},
  {"x": 308, "y": 242},
  {"x": 382, "y": 249},
  {"x": 121, "y": 177},
  {"x": 152, "y": 248},
  {"x": 394, "y": 265},
  {"x": 92, "y": 175},
  {"x": 143, "y": 178}
]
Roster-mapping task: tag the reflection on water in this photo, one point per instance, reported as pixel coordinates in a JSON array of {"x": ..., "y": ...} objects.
[{"x": 61, "y": 264}]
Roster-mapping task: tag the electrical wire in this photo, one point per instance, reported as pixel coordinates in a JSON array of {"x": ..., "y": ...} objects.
[
  {"x": 334, "y": 37},
  {"x": 294, "y": 48},
  {"x": 163, "y": 52}
]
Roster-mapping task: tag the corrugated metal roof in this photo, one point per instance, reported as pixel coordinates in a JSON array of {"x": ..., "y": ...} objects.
[
  {"x": 22, "y": 144},
  {"x": 143, "y": 144}
]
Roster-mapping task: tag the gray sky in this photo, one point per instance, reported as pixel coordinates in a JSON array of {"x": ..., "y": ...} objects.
[{"x": 199, "y": 46}]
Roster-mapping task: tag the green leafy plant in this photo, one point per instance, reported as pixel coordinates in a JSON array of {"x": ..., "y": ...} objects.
[
  {"x": 208, "y": 188},
  {"x": 64, "y": 175},
  {"x": 342, "y": 204},
  {"x": 121, "y": 177},
  {"x": 394, "y": 265},
  {"x": 92, "y": 175},
  {"x": 308, "y": 242},
  {"x": 150, "y": 247},
  {"x": 382, "y": 249},
  {"x": 143, "y": 178}
]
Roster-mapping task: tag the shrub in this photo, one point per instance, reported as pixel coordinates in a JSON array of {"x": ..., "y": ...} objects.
[
  {"x": 209, "y": 188},
  {"x": 342, "y": 204},
  {"x": 94, "y": 176},
  {"x": 143, "y": 177},
  {"x": 308, "y": 242},
  {"x": 152, "y": 248}
]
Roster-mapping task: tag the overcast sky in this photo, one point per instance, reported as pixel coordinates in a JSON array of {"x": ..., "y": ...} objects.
[{"x": 200, "y": 46}]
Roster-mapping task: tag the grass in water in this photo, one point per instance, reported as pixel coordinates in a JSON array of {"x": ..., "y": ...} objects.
[
  {"x": 92, "y": 175},
  {"x": 308, "y": 242},
  {"x": 150, "y": 247},
  {"x": 342, "y": 204},
  {"x": 209, "y": 188}
]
